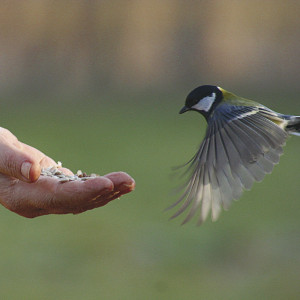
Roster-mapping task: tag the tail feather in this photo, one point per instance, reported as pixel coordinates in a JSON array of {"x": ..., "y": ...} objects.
[{"x": 293, "y": 126}]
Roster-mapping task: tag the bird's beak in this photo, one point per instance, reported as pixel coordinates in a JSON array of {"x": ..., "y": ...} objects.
[{"x": 184, "y": 109}]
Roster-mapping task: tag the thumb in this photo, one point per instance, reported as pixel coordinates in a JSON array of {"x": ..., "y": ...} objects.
[{"x": 17, "y": 161}]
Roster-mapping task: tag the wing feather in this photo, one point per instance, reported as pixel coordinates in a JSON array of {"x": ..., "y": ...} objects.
[
  {"x": 240, "y": 147},
  {"x": 207, "y": 198},
  {"x": 197, "y": 199}
]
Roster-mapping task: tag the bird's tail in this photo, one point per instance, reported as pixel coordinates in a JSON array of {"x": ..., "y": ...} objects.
[{"x": 293, "y": 126}]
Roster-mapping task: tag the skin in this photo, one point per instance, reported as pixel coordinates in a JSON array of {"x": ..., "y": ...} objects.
[{"x": 31, "y": 195}]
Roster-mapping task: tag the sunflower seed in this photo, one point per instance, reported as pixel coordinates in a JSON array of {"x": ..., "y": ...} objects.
[
  {"x": 60, "y": 176},
  {"x": 55, "y": 173},
  {"x": 63, "y": 180},
  {"x": 53, "y": 170}
]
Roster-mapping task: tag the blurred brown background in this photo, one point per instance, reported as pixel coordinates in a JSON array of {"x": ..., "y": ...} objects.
[{"x": 96, "y": 45}]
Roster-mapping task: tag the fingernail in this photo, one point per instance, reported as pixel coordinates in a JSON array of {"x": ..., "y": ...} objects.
[
  {"x": 25, "y": 169},
  {"x": 130, "y": 186}
]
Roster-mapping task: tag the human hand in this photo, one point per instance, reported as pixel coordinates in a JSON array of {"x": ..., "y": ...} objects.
[{"x": 25, "y": 192}]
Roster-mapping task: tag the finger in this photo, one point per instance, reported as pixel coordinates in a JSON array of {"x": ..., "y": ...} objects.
[
  {"x": 82, "y": 191},
  {"x": 34, "y": 162},
  {"x": 104, "y": 199},
  {"x": 122, "y": 181},
  {"x": 66, "y": 171},
  {"x": 123, "y": 184},
  {"x": 101, "y": 200},
  {"x": 45, "y": 161},
  {"x": 48, "y": 195},
  {"x": 17, "y": 161},
  {"x": 69, "y": 196},
  {"x": 20, "y": 160}
]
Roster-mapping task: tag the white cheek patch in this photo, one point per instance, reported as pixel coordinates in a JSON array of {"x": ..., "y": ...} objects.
[{"x": 206, "y": 103}]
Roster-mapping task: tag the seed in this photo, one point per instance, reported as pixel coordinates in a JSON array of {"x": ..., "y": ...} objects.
[
  {"x": 63, "y": 180},
  {"x": 61, "y": 176},
  {"x": 79, "y": 173},
  {"x": 53, "y": 170},
  {"x": 55, "y": 173}
]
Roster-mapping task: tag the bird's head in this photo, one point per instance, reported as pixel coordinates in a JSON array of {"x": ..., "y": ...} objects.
[{"x": 203, "y": 99}]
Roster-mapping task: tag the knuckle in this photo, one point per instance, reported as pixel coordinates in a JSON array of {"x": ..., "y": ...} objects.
[{"x": 9, "y": 162}]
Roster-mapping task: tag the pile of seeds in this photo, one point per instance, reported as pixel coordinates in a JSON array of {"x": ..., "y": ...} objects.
[{"x": 54, "y": 172}]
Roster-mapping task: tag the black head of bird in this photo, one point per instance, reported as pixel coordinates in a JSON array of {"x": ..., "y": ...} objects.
[
  {"x": 203, "y": 99},
  {"x": 243, "y": 142}
]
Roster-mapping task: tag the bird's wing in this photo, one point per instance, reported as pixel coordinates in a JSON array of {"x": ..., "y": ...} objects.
[{"x": 240, "y": 147}]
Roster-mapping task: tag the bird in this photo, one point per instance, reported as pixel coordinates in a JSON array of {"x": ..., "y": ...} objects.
[{"x": 243, "y": 141}]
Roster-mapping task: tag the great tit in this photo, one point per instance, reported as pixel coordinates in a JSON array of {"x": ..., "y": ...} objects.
[{"x": 243, "y": 142}]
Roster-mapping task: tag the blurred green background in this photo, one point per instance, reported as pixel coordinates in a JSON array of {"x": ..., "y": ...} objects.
[{"x": 98, "y": 86}]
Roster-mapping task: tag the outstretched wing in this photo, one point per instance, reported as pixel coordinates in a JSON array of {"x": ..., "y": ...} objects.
[{"x": 241, "y": 145}]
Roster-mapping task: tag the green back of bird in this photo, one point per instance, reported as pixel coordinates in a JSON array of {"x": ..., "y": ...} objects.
[{"x": 238, "y": 101}]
